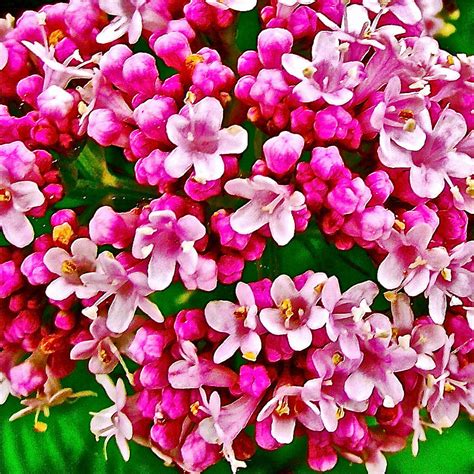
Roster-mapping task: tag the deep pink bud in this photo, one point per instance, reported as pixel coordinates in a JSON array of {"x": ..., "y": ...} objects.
[
  {"x": 147, "y": 345},
  {"x": 326, "y": 162},
  {"x": 29, "y": 88},
  {"x": 272, "y": 44},
  {"x": 248, "y": 63},
  {"x": 230, "y": 268},
  {"x": 283, "y": 151},
  {"x": 107, "y": 129},
  {"x": 380, "y": 186},
  {"x": 302, "y": 22},
  {"x": 55, "y": 103},
  {"x": 173, "y": 48},
  {"x": 190, "y": 324},
  {"x": 26, "y": 378},
  {"x": 10, "y": 278},
  {"x": 35, "y": 270},
  {"x": 175, "y": 403},
  {"x": 253, "y": 379},
  {"x": 151, "y": 117},
  {"x": 111, "y": 64},
  {"x": 349, "y": 196},
  {"x": 141, "y": 74},
  {"x": 166, "y": 434}
]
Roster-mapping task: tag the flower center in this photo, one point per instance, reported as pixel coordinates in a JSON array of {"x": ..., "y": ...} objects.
[
  {"x": 282, "y": 409},
  {"x": 63, "y": 233},
  {"x": 448, "y": 387},
  {"x": 192, "y": 60},
  {"x": 470, "y": 187},
  {"x": 194, "y": 408},
  {"x": 286, "y": 309},
  {"x": 446, "y": 274},
  {"x": 337, "y": 358},
  {"x": 5, "y": 195},
  {"x": 104, "y": 356},
  {"x": 55, "y": 37},
  {"x": 308, "y": 72},
  {"x": 417, "y": 263},
  {"x": 241, "y": 312},
  {"x": 68, "y": 267}
]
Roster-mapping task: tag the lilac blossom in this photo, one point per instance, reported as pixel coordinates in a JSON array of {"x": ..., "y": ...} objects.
[
  {"x": 327, "y": 76},
  {"x": 239, "y": 321},
  {"x": 170, "y": 241},
  {"x": 200, "y": 141},
  {"x": 113, "y": 422},
  {"x": 129, "y": 288},
  {"x": 296, "y": 313},
  {"x": 70, "y": 267},
  {"x": 237, "y": 5},
  {"x": 270, "y": 203}
]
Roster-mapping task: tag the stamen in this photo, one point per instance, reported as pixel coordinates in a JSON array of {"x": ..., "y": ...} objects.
[
  {"x": 309, "y": 71},
  {"x": 5, "y": 195},
  {"x": 68, "y": 267},
  {"x": 286, "y": 308},
  {"x": 446, "y": 274},
  {"x": 337, "y": 358},
  {"x": 282, "y": 408},
  {"x": 63, "y": 233}
]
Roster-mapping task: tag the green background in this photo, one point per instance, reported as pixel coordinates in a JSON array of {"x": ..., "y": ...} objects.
[{"x": 69, "y": 447}]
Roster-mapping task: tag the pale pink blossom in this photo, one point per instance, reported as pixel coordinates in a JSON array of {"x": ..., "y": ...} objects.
[
  {"x": 17, "y": 196},
  {"x": 270, "y": 203},
  {"x": 406, "y": 11},
  {"x": 131, "y": 17},
  {"x": 129, "y": 288},
  {"x": 70, "y": 267},
  {"x": 327, "y": 76},
  {"x": 237, "y": 5},
  {"x": 200, "y": 141},
  {"x": 239, "y": 321},
  {"x": 296, "y": 314},
  {"x": 169, "y": 241},
  {"x": 113, "y": 422}
]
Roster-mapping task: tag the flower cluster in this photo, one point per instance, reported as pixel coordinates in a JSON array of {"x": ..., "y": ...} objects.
[{"x": 142, "y": 152}]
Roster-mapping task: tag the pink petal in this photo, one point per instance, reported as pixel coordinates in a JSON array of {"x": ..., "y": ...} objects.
[
  {"x": 227, "y": 349},
  {"x": 161, "y": 270},
  {"x": 208, "y": 166},
  {"x": 249, "y": 218},
  {"x": 282, "y": 225},
  {"x": 17, "y": 229},
  {"x": 232, "y": 140},
  {"x": 283, "y": 429},
  {"x": 220, "y": 316},
  {"x": 283, "y": 288},
  {"x": 178, "y": 162},
  {"x": 273, "y": 321},
  {"x": 359, "y": 387},
  {"x": 26, "y": 195},
  {"x": 300, "y": 339}
]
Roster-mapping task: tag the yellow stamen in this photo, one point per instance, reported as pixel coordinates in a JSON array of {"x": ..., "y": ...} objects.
[
  {"x": 250, "y": 356},
  {"x": 417, "y": 263},
  {"x": 104, "y": 356},
  {"x": 40, "y": 426},
  {"x": 282, "y": 408},
  {"x": 448, "y": 387},
  {"x": 241, "y": 312},
  {"x": 68, "y": 267},
  {"x": 470, "y": 187},
  {"x": 308, "y": 72},
  {"x": 194, "y": 408},
  {"x": 401, "y": 225},
  {"x": 337, "y": 358},
  {"x": 446, "y": 274},
  {"x": 55, "y": 37},
  {"x": 5, "y": 195},
  {"x": 192, "y": 60},
  {"x": 410, "y": 125},
  {"x": 286, "y": 308},
  {"x": 318, "y": 288},
  {"x": 340, "y": 413},
  {"x": 63, "y": 233},
  {"x": 391, "y": 296}
]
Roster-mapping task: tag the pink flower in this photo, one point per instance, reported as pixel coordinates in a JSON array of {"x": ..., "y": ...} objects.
[
  {"x": 270, "y": 203},
  {"x": 225, "y": 423},
  {"x": 283, "y": 151},
  {"x": 239, "y": 321},
  {"x": 200, "y": 141},
  {"x": 379, "y": 363},
  {"x": 131, "y": 16},
  {"x": 438, "y": 160},
  {"x": 17, "y": 194},
  {"x": 170, "y": 241},
  {"x": 237, "y": 5},
  {"x": 70, "y": 268},
  {"x": 296, "y": 314},
  {"x": 292, "y": 403},
  {"x": 102, "y": 353},
  {"x": 112, "y": 422},
  {"x": 401, "y": 120},
  {"x": 326, "y": 76},
  {"x": 130, "y": 289},
  {"x": 410, "y": 263},
  {"x": 406, "y": 11}
]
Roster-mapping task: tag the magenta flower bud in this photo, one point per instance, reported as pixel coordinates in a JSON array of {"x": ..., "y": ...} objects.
[
  {"x": 166, "y": 435},
  {"x": 35, "y": 270},
  {"x": 113, "y": 228},
  {"x": 220, "y": 224},
  {"x": 44, "y": 133},
  {"x": 175, "y": 403},
  {"x": 302, "y": 120},
  {"x": 10, "y": 278},
  {"x": 263, "y": 435},
  {"x": 272, "y": 44},
  {"x": 190, "y": 324},
  {"x": 151, "y": 170},
  {"x": 248, "y": 63},
  {"x": 65, "y": 320},
  {"x": 140, "y": 144},
  {"x": 181, "y": 26},
  {"x": 173, "y": 87},
  {"x": 29, "y": 88},
  {"x": 242, "y": 89},
  {"x": 112, "y": 62},
  {"x": 420, "y": 215},
  {"x": 230, "y": 268},
  {"x": 326, "y": 162},
  {"x": 255, "y": 248},
  {"x": 261, "y": 292},
  {"x": 372, "y": 224},
  {"x": 302, "y": 22},
  {"x": 25, "y": 378},
  {"x": 55, "y": 103},
  {"x": 453, "y": 225},
  {"x": 141, "y": 74},
  {"x": 53, "y": 193},
  {"x": 199, "y": 191},
  {"x": 332, "y": 222},
  {"x": 254, "y": 380},
  {"x": 147, "y": 345},
  {"x": 64, "y": 215},
  {"x": 173, "y": 49},
  {"x": 270, "y": 87},
  {"x": 349, "y": 196},
  {"x": 154, "y": 375},
  {"x": 380, "y": 186},
  {"x": 283, "y": 152},
  {"x": 106, "y": 128},
  {"x": 151, "y": 116},
  {"x": 198, "y": 14}
]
